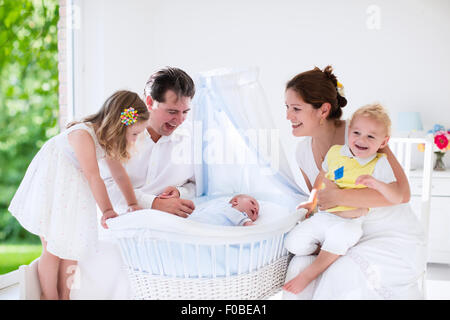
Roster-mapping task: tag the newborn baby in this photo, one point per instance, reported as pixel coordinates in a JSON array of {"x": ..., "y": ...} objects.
[{"x": 241, "y": 210}]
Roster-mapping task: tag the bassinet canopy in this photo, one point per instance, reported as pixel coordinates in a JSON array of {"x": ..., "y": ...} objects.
[{"x": 237, "y": 147}]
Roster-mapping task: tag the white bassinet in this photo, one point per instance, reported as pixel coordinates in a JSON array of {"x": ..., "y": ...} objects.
[{"x": 168, "y": 257}]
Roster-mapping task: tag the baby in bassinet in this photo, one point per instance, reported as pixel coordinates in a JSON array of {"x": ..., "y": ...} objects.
[{"x": 240, "y": 210}]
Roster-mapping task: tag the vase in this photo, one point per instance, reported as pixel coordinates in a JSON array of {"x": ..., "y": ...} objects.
[{"x": 439, "y": 163}]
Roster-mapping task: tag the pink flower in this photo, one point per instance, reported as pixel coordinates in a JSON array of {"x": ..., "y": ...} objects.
[{"x": 441, "y": 141}]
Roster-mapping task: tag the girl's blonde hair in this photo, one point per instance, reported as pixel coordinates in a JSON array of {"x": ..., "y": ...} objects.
[
  {"x": 374, "y": 111},
  {"x": 110, "y": 131}
]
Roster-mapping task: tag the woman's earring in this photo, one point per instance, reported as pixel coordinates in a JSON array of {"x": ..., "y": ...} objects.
[{"x": 321, "y": 122}]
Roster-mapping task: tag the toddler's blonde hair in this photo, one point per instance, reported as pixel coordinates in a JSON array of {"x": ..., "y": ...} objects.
[{"x": 374, "y": 111}]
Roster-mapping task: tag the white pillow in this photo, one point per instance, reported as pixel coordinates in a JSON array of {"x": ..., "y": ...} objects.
[{"x": 270, "y": 212}]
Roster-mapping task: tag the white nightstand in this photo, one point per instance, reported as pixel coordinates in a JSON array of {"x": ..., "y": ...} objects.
[{"x": 439, "y": 230}]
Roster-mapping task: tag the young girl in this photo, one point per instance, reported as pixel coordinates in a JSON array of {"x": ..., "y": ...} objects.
[{"x": 58, "y": 197}]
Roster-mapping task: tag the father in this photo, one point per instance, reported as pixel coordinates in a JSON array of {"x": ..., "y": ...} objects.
[{"x": 161, "y": 180}]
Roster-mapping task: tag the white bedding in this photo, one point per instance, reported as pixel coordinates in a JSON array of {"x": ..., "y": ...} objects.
[{"x": 181, "y": 258}]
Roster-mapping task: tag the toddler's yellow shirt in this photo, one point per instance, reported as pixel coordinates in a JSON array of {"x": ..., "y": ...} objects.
[{"x": 344, "y": 171}]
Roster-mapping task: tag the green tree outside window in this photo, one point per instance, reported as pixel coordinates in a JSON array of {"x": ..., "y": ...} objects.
[{"x": 28, "y": 96}]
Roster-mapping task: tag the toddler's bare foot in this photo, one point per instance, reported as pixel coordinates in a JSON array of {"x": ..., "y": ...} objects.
[{"x": 297, "y": 284}]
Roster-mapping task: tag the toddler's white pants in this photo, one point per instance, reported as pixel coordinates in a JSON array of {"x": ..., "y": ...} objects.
[{"x": 333, "y": 233}]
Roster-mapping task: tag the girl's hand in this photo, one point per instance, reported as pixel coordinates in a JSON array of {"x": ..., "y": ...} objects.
[
  {"x": 170, "y": 192},
  {"x": 134, "y": 207},
  {"x": 368, "y": 181},
  {"x": 328, "y": 197},
  {"x": 108, "y": 214}
]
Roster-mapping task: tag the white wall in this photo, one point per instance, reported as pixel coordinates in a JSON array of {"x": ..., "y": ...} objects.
[{"x": 404, "y": 64}]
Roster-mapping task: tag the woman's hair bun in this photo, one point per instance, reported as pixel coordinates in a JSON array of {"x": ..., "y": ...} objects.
[
  {"x": 341, "y": 101},
  {"x": 329, "y": 73}
]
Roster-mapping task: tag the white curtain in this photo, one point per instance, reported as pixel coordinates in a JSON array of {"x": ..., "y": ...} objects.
[{"x": 237, "y": 146}]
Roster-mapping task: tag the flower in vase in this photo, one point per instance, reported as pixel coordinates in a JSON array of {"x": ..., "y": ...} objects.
[
  {"x": 441, "y": 141},
  {"x": 421, "y": 147},
  {"x": 438, "y": 127}
]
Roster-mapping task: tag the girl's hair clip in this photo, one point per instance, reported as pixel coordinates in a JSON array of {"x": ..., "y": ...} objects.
[{"x": 128, "y": 116}]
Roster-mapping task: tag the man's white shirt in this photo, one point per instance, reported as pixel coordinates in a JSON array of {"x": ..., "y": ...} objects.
[{"x": 154, "y": 167}]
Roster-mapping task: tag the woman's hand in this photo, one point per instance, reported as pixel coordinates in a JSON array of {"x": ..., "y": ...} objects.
[
  {"x": 169, "y": 192},
  {"x": 328, "y": 197},
  {"x": 108, "y": 214},
  {"x": 308, "y": 205}
]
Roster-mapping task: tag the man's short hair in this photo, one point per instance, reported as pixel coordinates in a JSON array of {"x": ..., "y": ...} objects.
[{"x": 169, "y": 78}]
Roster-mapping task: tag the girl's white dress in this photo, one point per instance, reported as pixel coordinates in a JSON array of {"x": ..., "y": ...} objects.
[{"x": 55, "y": 201}]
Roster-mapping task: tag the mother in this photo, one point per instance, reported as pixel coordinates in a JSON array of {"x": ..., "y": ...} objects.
[{"x": 389, "y": 258}]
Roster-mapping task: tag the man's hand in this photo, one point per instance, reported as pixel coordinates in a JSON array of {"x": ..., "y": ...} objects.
[
  {"x": 176, "y": 206},
  {"x": 108, "y": 214},
  {"x": 169, "y": 192},
  {"x": 328, "y": 197}
]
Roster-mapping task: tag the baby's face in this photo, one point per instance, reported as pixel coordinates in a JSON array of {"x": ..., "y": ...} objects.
[
  {"x": 246, "y": 204},
  {"x": 366, "y": 136}
]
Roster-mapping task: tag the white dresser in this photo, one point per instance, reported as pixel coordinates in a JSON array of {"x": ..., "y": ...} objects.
[{"x": 439, "y": 232}]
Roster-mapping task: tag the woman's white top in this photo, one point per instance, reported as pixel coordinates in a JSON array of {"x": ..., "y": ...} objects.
[{"x": 305, "y": 157}]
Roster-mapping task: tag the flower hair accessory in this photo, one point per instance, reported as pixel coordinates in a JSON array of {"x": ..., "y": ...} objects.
[
  {"x": 128, "y": 116},
  {"x": 340, "y": 89}
]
